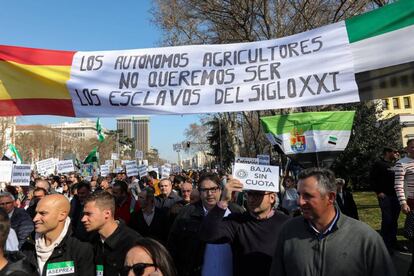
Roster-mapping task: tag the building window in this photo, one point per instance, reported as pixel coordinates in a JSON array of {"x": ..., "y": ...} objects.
[
  {"x": 407, "y": 102},
  {"x": 396, "y": 103},
  {"x": 385, "y": 104}
]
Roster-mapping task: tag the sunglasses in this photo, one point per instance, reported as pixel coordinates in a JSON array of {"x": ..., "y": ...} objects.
[{"x": 138, "y": 269}]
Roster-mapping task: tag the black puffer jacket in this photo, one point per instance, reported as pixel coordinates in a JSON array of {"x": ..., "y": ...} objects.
[
  {"x": 184, "y": 244},
  {"x": 18, "y": 265},
  {"x": 71, "y": 255}
]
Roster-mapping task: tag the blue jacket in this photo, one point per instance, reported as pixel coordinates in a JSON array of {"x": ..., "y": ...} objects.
[{"x": 22, "y": 223}]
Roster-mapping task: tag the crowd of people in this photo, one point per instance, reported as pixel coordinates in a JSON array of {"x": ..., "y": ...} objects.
[{"x": 199, "y": 223}]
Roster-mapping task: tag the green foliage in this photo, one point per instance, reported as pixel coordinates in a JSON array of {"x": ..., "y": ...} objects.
[
  {"x": 223, "y": 153},
  {"x": 370, "y": 134}
]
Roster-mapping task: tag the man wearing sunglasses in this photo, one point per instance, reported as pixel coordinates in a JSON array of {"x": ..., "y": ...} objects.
[{"x": 252, "y": 235}]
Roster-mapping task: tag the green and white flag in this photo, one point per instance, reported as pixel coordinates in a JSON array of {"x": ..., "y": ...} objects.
[
  {"x": 13, "y": 154},
  {"x": 92, "y": 156},
  {"x": 382, "y": 48},
  {"x": 313, "y": 137},
  {"x": 99, "y": 132}
]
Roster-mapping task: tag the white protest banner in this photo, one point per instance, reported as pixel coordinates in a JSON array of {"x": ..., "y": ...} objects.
[
  {"x": 139, "y": 154},
  {"x": 264, "y": 159},
  {"x": 257, "y": 177},
  {"x": 6, "y": 168},
  {"x": 46, "y": 166},
  {"x": 118, "y": 170},
  {"x": 145, "y": 162},
  {"x": 21, "y": 175},
  {"x": 131, "y": 168},
  {"x": 165, "y": 170},
  {"x": 305, "y": 69},
  {"x": 142, "y": 170},
  {"x": 104, "y": 170},
  {"x": 65, "y": 166},
  {"x": 246, "y": 160},
  {"x": 114, "y": 156},
  {"x": 109, "y": 162}
]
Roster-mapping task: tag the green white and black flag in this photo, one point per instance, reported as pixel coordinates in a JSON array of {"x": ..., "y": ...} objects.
[{"x": 311, "y": 138}]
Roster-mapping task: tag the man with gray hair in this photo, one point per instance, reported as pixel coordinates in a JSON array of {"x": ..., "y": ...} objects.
[
  {"x": 328, "y": 242},
  {"x": 20, "y": 220}
]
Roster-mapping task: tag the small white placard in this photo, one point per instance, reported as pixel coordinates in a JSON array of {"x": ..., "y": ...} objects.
[
  {"x": 114, "y": 156},
  {"x": 6, "y": 168},
  {"x": 131, "y": 169},
  {"x": 104, "y": 170},
  {"x": 257, "y": 177},
  {"x": 65, "y": 166},
  {"x": 21, "y": 175},
  {"x": 46, "y": 166},
  {"x": 139, "y": 154},
  {"x": 142, "y": 170},
  {"x": 246, "y": 160}
]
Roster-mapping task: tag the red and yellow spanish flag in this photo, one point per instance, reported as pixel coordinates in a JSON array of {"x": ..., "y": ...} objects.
[{"x": 33, "y": 81}]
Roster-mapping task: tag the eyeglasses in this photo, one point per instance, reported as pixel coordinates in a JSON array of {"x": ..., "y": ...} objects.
[
  {"x": 212, "y": 190},
  {"x": 6, "y": 203},
  {"x": 138, "y": 269}
]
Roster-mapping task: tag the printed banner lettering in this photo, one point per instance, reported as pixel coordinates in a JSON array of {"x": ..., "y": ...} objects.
[{"x": 257, "y": 177}]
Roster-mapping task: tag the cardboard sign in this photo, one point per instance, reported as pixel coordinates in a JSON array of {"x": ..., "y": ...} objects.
[
  {"x": 104, "y": 170},
  {"x": 114, "y": 156},
  {"x": 109, "y": 163},
  {"x": 46, "y": 166},
  {"x": 142, "y": 170},
  {"x": 65, "y": 166},
  {"x": 6, "y": 168},
  {"x": 139, "y": 154},
  {"x": 165, "y": 170},
  {"x": 21, "y": 175},
  {"x": 131, "y": 169},
  {"x": 264, "y": 159},
  {"x": 257, "y": 177},
  {"x": 246, "y": 160}
]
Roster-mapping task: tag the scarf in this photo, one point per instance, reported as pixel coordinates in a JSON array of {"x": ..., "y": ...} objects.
[{"x": 43, "y": 251}]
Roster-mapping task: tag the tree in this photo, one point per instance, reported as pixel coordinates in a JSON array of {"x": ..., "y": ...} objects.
[{"x": 371, "y": 132}]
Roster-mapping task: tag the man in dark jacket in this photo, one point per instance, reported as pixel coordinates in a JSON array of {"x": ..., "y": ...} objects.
[
  {"x": 193, "y": 256},
  {"x": 20, "y": 220},
  {"x": 114, "y": 239},
  {"x": 252, "y": 235},
  {"x": 167, "y": 197},
  {"x": 150, "y": 221},
  {"x": 12, "y": 263},
  {"x": 345, "y": 200},
  {"x": 382, "y": 182},
  {"x": 54, "y": 251}
]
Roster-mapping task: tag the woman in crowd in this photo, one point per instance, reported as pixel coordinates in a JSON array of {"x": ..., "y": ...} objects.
[{"x": 148, "y": 257}]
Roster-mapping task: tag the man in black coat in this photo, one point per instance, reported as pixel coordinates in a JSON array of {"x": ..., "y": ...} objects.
[
  {"x": 20, "y": 220},
  {"x": 114, "y": 239},
  {"x": 382, "y": 182},
  {"x": 184, "y": 244},
  {"x": 150, "y": 221},
  {"x": 345, "y": 200},
  {"x": 54, "y": 251}
]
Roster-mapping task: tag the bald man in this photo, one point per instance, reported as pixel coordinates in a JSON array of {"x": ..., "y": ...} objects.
[{"x": 54, "y": 251}]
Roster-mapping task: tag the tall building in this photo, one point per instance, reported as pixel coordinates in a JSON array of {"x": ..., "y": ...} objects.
[{"x": 136, "y": 128}]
